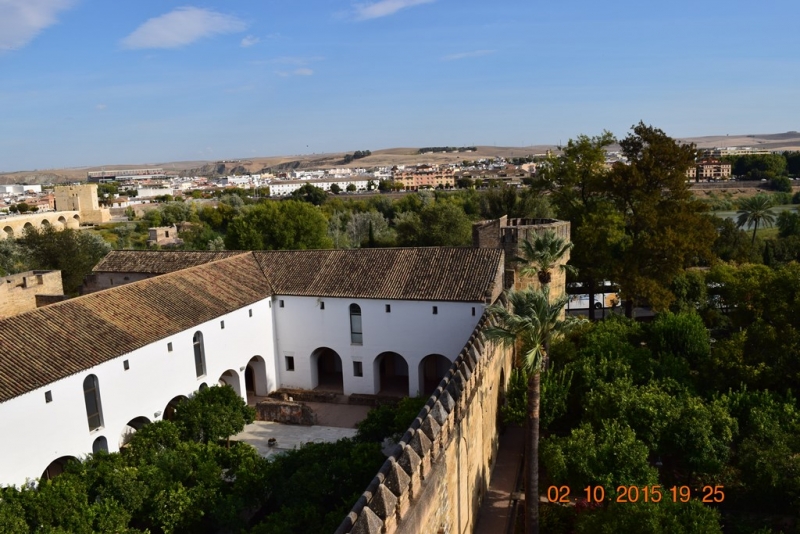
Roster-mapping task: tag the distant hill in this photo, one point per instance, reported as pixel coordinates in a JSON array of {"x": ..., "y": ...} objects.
[{"x": 378, "y": 158}]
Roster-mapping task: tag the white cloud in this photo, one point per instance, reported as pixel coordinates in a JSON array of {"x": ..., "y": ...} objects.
[
  {"x": 384, "y": 8},
  {"x": 465, "y": 55},
  {"x": 100, "y": 107},
  {"x": 180, "y": 27},
  {"x": 249, "y": 41},
  {"x": 296, "y": 72},
  {"x": 22, "y": 20}
]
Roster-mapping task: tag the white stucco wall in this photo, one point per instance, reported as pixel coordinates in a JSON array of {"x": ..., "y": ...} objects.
[
  {"x": 410, "y": 329},
  {"x": 35, "y": 433}
]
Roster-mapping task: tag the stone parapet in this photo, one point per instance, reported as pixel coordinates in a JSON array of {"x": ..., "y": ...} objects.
[{"x": 435, "y": 477}]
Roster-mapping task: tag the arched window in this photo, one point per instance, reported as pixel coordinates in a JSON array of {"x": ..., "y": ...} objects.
[
  {"x": 356, "y": 336},
  {"x": 94, "y": 410},
  {"x": 199, "y": 354}
]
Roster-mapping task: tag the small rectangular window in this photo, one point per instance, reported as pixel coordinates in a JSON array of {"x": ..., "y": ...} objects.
[
  {"x": 250, "y": 313},
  {"x": 388, "y": 308},
  {"x": 290, "y": 363},
  {"x": 436, "y": 310},
  {"x": 322, "y": 305},
  {"x": 48, "y": 396},
  {"x": 280, "y": 303},
  {"x": 169, "y": 346},
  {"x": 473, "y": 311},
  {"x": 126, "y": 365},
  {"x": 222, "y": 325},
  {"x": 357, "y": 369}
]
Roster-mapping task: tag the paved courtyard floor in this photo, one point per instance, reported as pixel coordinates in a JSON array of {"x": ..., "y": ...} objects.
[
  {"x": 288, "y": 437},
  {"x": 336, "y": 421}
]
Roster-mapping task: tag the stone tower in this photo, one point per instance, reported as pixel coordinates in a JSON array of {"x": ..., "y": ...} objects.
[
  {"x": 83, "y": 199},
  {"x": 507, "y": 234}
]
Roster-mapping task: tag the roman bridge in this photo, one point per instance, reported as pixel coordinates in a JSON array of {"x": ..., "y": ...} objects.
[{"x": 14, "y": 227}]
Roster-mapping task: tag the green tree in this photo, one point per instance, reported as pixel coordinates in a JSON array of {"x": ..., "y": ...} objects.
[
  {"x": 335, "y": 189},
  {"x": 278, "y": 225},
  {"x": 73, "y": 252},
  {"x": 666, "y": 229},
  {"x": 576, "y": 183},
  {"x": 529, "y": 323},
  {"x": 351, "y": 188},
  {"x": 788, "y": 223},
  {"x": 211, "y": 414},
  {"x": 311, "y": 194},
  {"x": 754, "y": 211},
  {"x": 23, "y": 207},
  {"x": 446, "y": 225}
]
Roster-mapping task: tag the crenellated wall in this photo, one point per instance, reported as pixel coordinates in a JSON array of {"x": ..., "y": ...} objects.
[{"x": 436, "y": 478}]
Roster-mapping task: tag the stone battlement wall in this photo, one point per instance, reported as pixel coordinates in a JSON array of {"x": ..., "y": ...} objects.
[
  {"x": 440, "y": 470},
  {"x": 26, "y": 291}
]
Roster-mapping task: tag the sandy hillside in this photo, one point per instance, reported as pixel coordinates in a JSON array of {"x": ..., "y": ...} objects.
[{"x": 386, "y": 157}]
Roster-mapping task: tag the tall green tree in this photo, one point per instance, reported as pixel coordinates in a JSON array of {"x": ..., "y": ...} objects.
[
  {"x": 283, "y": 225},
  {"x": 666, "y": 228},
  {"x": 575, "y": 182},
  {"x": 755, "y": 211}
]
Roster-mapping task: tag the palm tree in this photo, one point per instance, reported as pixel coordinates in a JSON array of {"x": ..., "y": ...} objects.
[
  {"x": 543, "y": 255},
  {"x": 755, "y": 210},
  {"x": 528, "y": 323}
]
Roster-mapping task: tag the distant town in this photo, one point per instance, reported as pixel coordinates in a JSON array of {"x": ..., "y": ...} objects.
[{"x": 142, "y": 186}]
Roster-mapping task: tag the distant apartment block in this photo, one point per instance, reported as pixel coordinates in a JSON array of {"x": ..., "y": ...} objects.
[
  {"x": 280, "y": 188},
  {"x": 709, "y": 169},
  {"x": 425, "y": 176},
  {"x": 104, "y": 176}
]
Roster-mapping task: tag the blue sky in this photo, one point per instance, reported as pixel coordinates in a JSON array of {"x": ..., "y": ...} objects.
[{"x": 93, "y": 82}]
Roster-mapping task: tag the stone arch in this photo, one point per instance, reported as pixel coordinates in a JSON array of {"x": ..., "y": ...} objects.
[
  {"x": 57, "y": 467},
  {"x": 172, "y": 407},
  {"x": 100, "y": 444},
  {"x": 326, "y": 370},
  {"x": 391, "y": 374},
  {"x": 202, "y": 386},
  {"x": 255, "y": 377},
  {"x": 44, "y": 224},
  {"x": 432, "y": 369},
  {"x": 62, "y": 221},
  {"x": 135, "y": 424},
  {"x": 9, "y": 232},
  {"x": 231, "y": 378},
  {"x": 28, "y": 226}
]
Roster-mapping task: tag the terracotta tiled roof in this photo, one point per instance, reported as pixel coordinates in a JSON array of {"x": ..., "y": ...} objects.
[
  {"x": 54, "y": 342},
  {"x": 435, "y": 273},
  {"x": 157, "y": 261}
]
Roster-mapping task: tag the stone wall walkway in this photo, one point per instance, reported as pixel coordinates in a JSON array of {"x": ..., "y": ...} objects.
[{"x": 495, "y": 512}]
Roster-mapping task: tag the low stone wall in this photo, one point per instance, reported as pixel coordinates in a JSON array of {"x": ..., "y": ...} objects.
[
  {"x": 437, "y": 477},
  {"x": 284, "y": 411}
]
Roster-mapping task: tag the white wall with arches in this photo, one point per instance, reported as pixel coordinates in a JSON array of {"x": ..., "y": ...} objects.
[
  {"x": 132, "y": 387},
  {"x": 409, "y": 328}
]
